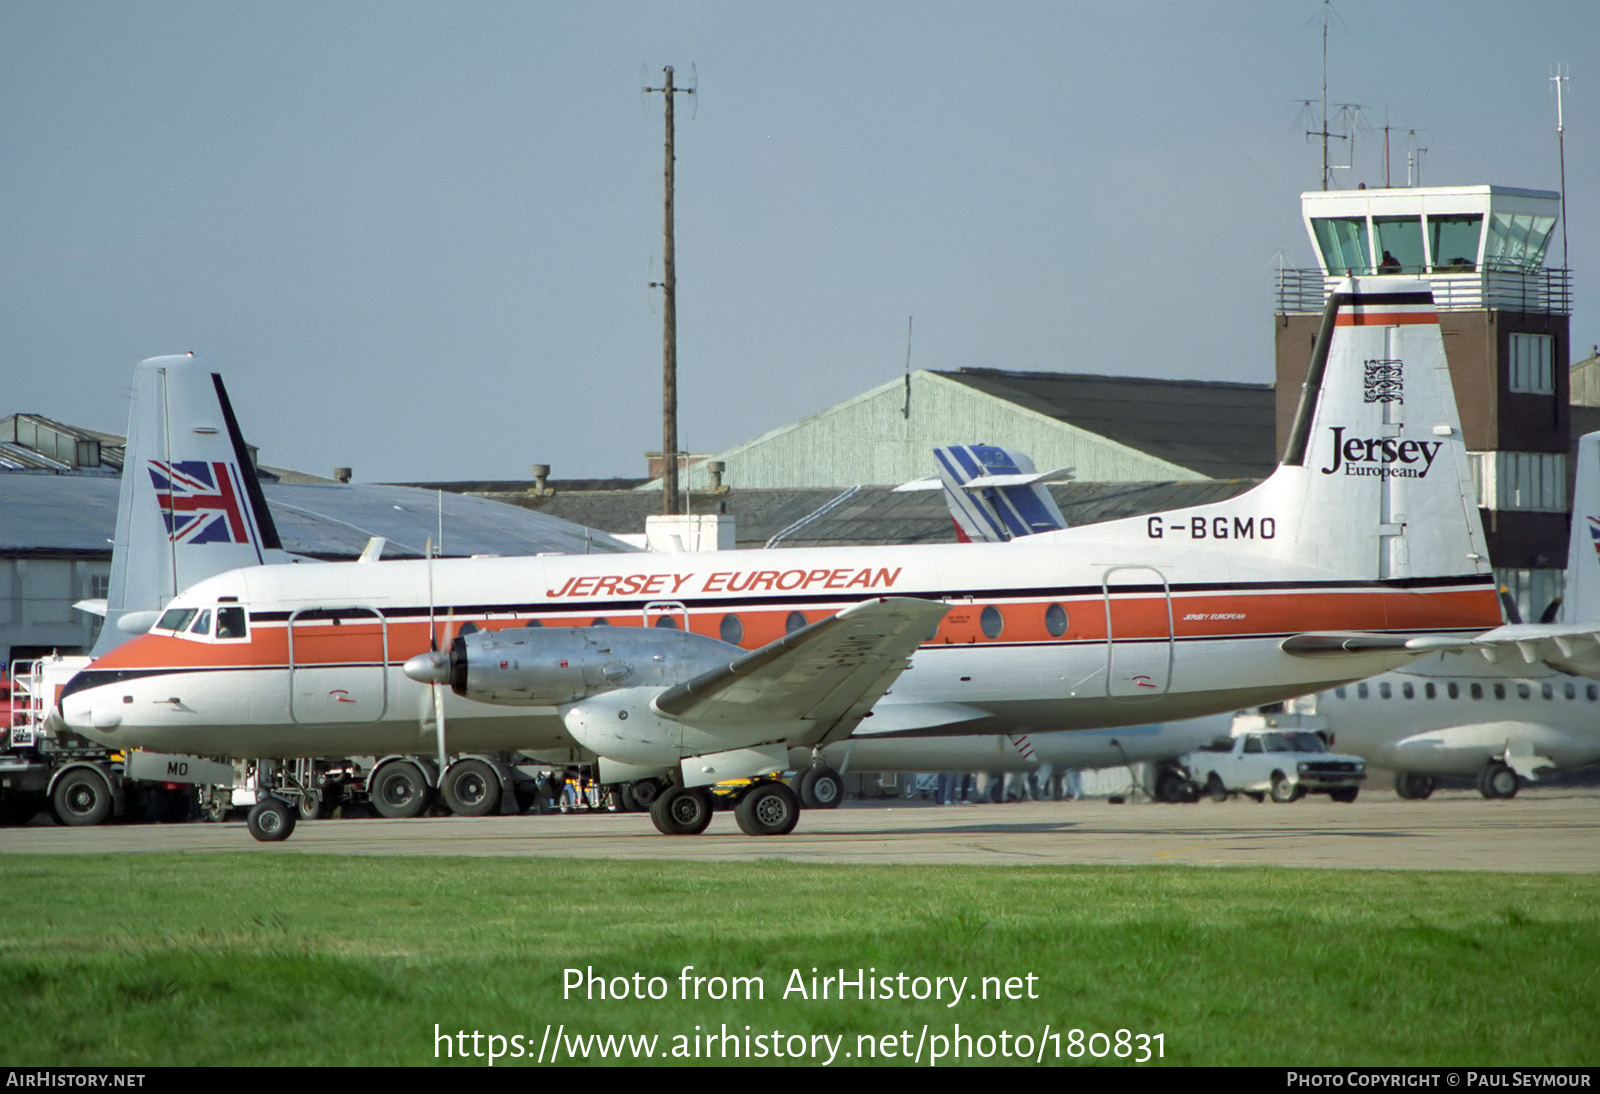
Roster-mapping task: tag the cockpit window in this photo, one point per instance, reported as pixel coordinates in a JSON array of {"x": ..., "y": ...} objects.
[
  {"x": 176, "y": 619},
  {"x": 202, "y": 625},
  {"x": 230, "y": 623}
]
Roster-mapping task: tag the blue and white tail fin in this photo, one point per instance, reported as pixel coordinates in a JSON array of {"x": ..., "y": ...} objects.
[
  {"x": 994, "y": 494},
  {"x": 1581, "y": 601},
  {"x": 191, "y": 505}
]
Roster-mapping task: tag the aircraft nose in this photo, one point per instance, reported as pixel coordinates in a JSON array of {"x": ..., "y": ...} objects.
[{"x": 429, "y": 668}]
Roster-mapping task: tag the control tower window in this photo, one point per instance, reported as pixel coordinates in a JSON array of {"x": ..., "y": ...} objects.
[
  {"x": 1399, "y": 245},
  {"x": 1517, "y": 240},
  {"x": 1343, "y": 242},
  {"x": 1453, "y": 241}
]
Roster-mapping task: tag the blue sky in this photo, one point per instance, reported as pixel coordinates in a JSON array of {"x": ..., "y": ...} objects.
[{"x": 416, "y": 237}]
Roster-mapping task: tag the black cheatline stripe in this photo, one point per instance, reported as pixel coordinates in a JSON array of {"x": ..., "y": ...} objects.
[
  {"x": 611, "y": 607},
  {"x": 1382, "y": 299}
]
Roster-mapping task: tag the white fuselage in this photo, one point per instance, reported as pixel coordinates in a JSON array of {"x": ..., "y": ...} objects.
[
  {"x": 1039, "y": 636},
  {"x": 1440, "y": 719}
]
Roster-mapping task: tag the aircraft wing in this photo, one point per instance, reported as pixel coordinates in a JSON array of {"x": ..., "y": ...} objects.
[
  {"x": 828, "y": 674},
  {"x": 1566, "y": 647}
]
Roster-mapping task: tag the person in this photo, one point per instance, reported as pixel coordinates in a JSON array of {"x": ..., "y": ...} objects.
[{"x": 1389, "y": 265}]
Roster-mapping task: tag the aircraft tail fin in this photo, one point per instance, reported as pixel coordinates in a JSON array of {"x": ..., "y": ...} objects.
[
  {"x": 190, "y": 505},
  {"x": 1375, "y": 475},
  {"x": 1581, "y": 601},
  {"x": 994, "y": 493},
  {"x": 1375, "y": 483}
]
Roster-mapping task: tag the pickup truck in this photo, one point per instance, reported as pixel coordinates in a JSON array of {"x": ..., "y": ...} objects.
[{"x": 1287, "y": 764}]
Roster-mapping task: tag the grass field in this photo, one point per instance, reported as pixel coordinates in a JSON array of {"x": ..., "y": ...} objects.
[{"x": 254, "y": 959}]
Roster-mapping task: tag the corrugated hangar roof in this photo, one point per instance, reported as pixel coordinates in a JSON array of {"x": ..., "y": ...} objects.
[
  {"x": 873, "y": 514},
  {"x": 77, "y": 514},
  {"x": 1220, "y": 429}
]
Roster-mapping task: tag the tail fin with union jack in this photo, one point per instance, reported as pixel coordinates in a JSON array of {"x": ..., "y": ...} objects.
[{"x": 191, "y": 505}]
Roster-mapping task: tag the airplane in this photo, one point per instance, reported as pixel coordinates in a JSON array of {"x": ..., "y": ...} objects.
[
  {"x": 1517, "y": 717},
  {"x": 1359, "y": 551}
]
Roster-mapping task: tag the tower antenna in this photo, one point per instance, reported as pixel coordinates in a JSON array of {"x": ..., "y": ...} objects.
[{"x": 1558, "y": 78}]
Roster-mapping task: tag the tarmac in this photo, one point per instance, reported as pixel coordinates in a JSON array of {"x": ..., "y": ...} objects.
[{"x": 1539, "y": 831}]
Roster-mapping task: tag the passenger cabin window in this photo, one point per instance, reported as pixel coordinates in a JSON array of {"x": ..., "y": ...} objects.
[
  {"x": 1430, "y": 691},
  {"x": 1570, "y": 690},
  {"x": 1524, "y": 692},
  {"x": 731, "y": 629},
  {"x": 1384, "y": 691},
  {"x": 1453, "y": 690},
  {"x": 1499, "y": 691},
  {"x": 1477, "y": 692},
  {"x": 1361, "y": 691},
  {"x": 1407, "y": 691},
  {"x": 666, "y": 621},
  {"x": 1339, "y": 691},
  {"x": 795, "y": 621},
  {"x": 990, "y": 622},
  {"x": 1055, "y": 621},
  {"x": 1592, "y": 692},
  {"x": 1547, "y": 691}
]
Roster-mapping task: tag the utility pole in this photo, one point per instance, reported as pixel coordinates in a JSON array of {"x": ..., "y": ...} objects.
[{"x": 668, "y": 284}]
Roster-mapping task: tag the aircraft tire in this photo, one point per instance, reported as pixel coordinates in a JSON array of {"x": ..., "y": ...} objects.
[
  {"x": 81, "y": 797},
  {"x": 1496, "y": 780},
  {"x": 1412, "y": 787},
  {"x": 821, "y": 788},
  {"x": 642, "y": 794},
  {"x": 400, "y": 790},
  {"x": 681, "y": 811},
  {"x": 471, "y": 788},
  {"x": 768, "y": 809},
  {"x": 1285, "y": 790},
  {"x": 1215, "y": 790},
  {"x": 271, "y": 820}
]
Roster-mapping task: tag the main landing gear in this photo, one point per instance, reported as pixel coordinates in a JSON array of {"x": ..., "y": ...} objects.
[{"x": 764, "y": 808}]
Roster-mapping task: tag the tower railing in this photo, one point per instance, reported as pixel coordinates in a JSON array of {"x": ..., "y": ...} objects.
[{"x": 1500, "y": 286}]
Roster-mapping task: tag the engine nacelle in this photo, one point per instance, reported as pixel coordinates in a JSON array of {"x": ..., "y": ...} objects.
[{"x": 529, "y": 666}]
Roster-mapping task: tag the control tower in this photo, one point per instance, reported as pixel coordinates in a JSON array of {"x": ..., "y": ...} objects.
[{"x": 1504, "y": 315}]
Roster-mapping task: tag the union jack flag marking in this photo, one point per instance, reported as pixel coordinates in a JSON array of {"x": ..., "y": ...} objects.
[{"x": 199, "y": 501}]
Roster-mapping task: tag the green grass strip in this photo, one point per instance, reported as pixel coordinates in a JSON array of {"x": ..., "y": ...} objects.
[{"x": 258, "y": 959}]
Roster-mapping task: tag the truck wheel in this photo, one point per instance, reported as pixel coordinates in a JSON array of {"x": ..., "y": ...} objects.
[
  {"x": 81, "y": 797},
  {"x": 400, "y": 790},
  {"x": 821, "y": 788},
  {"x": 1215, "y": 790},
  {"x": 471, "y": 788},
  {"x": 271, "y": 820},
  {"x": 1285, "y": 790}
]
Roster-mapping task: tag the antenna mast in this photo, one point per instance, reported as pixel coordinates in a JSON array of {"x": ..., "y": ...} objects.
[
  {"x": 1561, "y": 145},
  {"x": 669, "y": 334}
]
